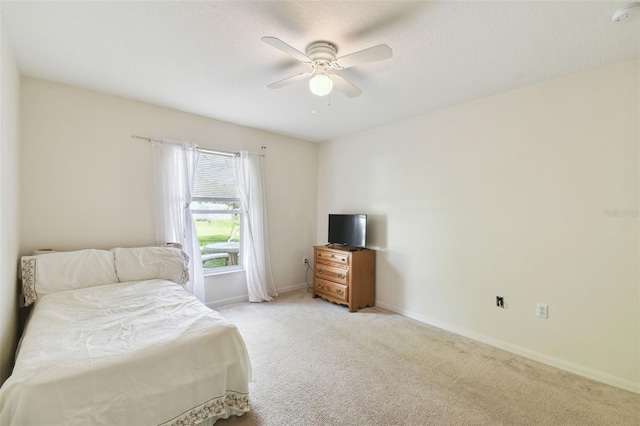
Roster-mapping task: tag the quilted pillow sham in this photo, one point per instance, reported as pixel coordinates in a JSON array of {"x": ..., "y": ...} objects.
[
  {"x": 148, "y": 263},
  {"x": 61, "y": 271}
]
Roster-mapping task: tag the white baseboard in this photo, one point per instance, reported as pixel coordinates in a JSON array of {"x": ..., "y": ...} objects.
[
  {"x": 292, "y": 288},
  {"x": 561, "y": 364},
  {"x": 244, "y": 297},
  {"x": 228, "y": 301}
]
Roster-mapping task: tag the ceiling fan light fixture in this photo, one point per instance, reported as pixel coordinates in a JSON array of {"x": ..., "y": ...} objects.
[
  {"x": 321, "y": 57},
  {"x": 321, "y": 85}
]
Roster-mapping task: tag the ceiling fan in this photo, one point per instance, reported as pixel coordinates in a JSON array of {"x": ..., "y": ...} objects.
[{"x": 321, "y": 56}]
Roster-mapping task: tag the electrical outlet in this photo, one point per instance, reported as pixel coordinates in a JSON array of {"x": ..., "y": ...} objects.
[
  {"x": 305, "y": 261},
  {"x": 542, "y": 310},
  {"x": 500, "y": 302}
]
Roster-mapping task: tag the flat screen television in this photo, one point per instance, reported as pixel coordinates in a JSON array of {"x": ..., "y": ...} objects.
[{"x": 348, "y": 230}]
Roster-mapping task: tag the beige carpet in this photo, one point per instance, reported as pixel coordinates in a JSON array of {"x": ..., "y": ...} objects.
[{"x": 314, "y": 363}]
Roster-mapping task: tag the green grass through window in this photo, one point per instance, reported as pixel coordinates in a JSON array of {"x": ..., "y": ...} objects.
[{"x": 216, "y": 231}]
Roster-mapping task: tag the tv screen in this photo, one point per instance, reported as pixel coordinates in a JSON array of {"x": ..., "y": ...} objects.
[{"x": 348, "y": 229}]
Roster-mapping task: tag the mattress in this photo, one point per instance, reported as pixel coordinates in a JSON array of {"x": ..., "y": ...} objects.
[{"x": 132, "y": 353}]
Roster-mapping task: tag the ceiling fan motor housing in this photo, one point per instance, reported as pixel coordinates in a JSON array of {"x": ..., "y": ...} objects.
[{"x": 322, "y": 51}]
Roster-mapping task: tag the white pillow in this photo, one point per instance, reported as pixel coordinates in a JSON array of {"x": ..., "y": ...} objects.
[
  {"x": 148, "y": 263},
  {"x": 49, "y": 273}
]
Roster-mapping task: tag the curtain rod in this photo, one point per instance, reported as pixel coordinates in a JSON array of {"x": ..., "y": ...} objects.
[{"x": 210, "y": 151}]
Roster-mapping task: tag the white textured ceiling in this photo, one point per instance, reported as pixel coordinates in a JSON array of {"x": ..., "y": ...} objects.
[{"x": 207, "y": 57}]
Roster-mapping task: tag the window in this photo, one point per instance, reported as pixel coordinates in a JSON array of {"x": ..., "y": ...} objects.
[{"x": 216, "y": 212}]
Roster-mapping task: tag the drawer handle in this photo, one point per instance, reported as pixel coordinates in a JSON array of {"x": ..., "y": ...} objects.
[
  {"x": 320, "y": 286},
  {"x": 322, "y": 271},
  {"x": 333, "y": 255},
  {"x": 340, "y": 292}
]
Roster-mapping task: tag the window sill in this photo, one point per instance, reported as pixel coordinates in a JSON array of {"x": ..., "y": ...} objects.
[{"x": 210, "y": 272}]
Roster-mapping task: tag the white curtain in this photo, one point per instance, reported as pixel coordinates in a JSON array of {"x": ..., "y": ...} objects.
[
  {"x": 174, "y": 168},
  {"x": 255, "y": 239}
]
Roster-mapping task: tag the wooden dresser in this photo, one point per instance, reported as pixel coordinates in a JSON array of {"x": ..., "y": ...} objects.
[{"x": 345, "y": 277}]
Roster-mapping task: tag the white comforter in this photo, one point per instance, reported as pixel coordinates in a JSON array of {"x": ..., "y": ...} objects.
[{"x": 135, "y": 353}]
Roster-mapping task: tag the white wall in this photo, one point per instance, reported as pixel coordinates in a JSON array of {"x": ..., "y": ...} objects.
[
  {"x": 9, "y": 203},
  {"x": 87, "y": 183},
  {"x": 508, "y": 196}
]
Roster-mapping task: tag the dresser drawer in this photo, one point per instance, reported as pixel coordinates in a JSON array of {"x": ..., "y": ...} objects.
[
  {"x": 331, "y": 273},
  {"x": 325, "y": 257},
  {"x": 332, "y": 290}
]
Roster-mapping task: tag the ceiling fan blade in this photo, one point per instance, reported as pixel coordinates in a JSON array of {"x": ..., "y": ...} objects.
[
  {"x": 288, "y": 80},
  {"x": 284, "y": 47},
  {"x": 345, "y": 86},
  {"x": 372, "y": 54}
]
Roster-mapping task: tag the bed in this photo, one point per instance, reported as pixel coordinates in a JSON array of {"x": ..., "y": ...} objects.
[{"x": 114, "y": 339}]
